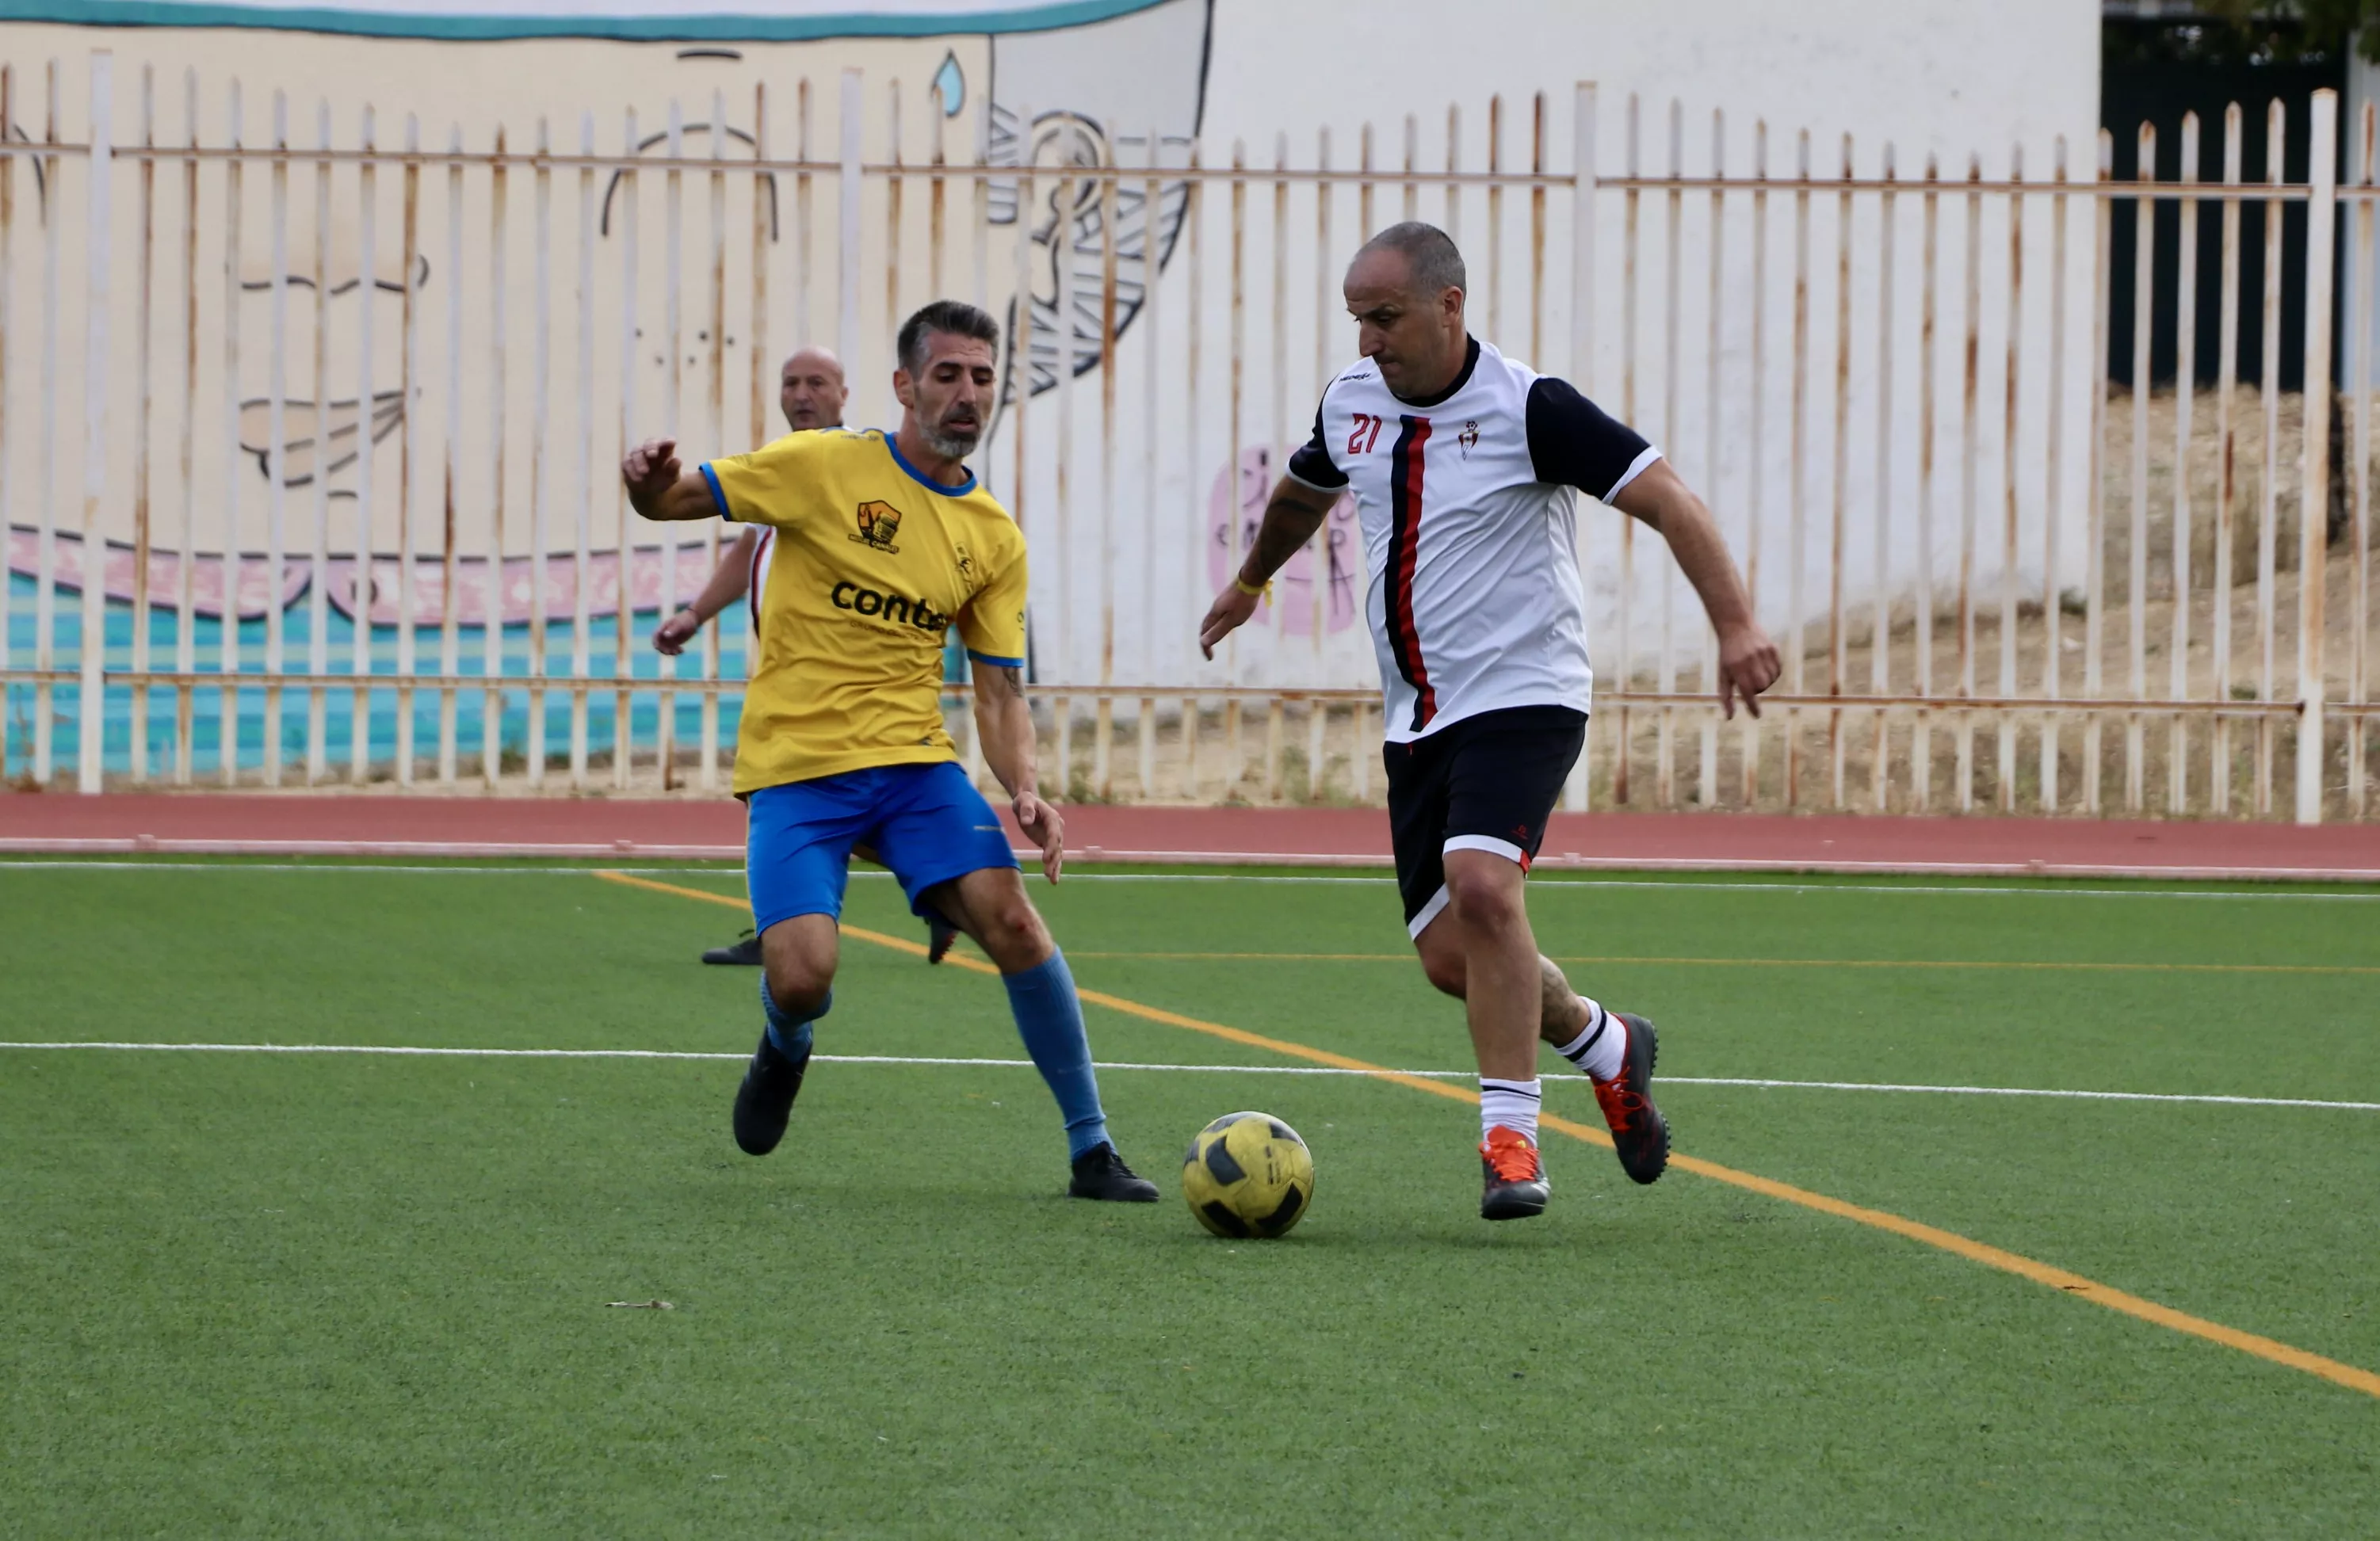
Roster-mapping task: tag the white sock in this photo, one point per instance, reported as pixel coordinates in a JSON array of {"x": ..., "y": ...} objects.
[
  {"x": 1599, "y": 1049},
  {"x": 1513, "y": 1104}
]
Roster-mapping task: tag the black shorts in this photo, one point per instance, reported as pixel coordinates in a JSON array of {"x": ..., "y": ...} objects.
[{"x": 1485, "y": 783}]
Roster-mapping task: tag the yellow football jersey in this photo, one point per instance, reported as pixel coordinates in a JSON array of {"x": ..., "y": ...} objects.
[{"x": 872, "y": 564}]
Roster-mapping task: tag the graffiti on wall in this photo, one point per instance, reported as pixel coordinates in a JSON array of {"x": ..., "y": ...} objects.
[{"x": 1055, "y": 90}]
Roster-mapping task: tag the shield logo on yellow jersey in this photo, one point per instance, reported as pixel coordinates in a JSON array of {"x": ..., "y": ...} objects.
[{"x": 879, "y": 522}]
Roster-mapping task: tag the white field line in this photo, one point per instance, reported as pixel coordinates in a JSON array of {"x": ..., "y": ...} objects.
[
  {"x": 1545, "y": 882},
  {"x": 584, "y": 850},
  {"x": 1209, "y": 1070}
]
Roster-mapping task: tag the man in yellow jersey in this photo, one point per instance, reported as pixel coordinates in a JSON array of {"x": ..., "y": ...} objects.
[
  {"x": 811, "y": 393},
  {"x": 882, "y": 542}
]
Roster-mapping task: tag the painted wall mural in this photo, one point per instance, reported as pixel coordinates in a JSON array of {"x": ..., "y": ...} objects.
[
  {"x": 402, "y": 400},
  {"x": 640, "y": 21},
  {"x": 1055, "y": 87}
]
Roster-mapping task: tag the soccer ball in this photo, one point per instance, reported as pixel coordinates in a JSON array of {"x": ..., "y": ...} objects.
[{"x": 1248, "y": 1175}]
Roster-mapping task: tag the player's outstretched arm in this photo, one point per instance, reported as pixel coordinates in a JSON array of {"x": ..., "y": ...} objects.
[
  {"x": 728, "y": 581},
  {"x": 1003, "y": 721},
  {"x": 1748, "y": 664},
  {"x": 660, "y": 487},
  {"x": 1295, "y": 512}
]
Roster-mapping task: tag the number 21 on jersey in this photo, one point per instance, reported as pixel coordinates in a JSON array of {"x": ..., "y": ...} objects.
[{"x": 1366, "y": 433}]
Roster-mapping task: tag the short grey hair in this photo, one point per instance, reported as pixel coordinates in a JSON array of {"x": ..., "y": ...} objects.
[
  {"x": 1429, "y": 253},
  {"x": 955, "y": 318}
]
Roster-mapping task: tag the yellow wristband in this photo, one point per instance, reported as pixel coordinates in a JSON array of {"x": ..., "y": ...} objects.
[{"x": 1261, "y": 590}]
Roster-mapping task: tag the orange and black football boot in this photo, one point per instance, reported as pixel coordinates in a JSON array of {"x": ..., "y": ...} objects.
[
  {"x": 1515, "y": 1179},
  {"x": 1638, "y": 1131}
]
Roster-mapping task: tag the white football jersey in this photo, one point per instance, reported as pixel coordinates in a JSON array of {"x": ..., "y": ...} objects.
[{"x": 1469, "y": 523}]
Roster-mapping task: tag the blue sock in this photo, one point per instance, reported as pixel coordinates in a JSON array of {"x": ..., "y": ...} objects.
[
  {"x": 1050, "y": 1019},
  {"x": 791, "y": 1035}
]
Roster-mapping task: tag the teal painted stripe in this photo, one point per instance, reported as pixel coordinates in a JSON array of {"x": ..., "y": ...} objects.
[{"x": 653, "y": 28}]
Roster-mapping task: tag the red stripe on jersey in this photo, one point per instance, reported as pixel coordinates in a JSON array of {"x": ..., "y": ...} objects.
[{"x": 1404, "y": 519}]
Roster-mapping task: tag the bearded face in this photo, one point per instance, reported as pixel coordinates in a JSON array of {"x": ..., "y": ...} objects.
[{"x": 949, "y": 396}]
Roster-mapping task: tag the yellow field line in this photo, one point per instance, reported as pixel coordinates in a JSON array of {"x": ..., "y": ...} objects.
[
  {"x": 1661, "y": 962},
  {"x": 1100, "y": 998},
  {"x": 2056, "y": 1278}
]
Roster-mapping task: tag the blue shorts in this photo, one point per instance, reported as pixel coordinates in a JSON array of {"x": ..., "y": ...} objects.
[{"x": 927, "y": 822}]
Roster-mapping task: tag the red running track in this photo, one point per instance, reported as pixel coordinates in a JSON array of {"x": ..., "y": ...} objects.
[{"x": 611, "y": 830}]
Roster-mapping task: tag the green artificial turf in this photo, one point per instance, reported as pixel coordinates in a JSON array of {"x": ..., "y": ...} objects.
[{"x": 312, "y": 1294}]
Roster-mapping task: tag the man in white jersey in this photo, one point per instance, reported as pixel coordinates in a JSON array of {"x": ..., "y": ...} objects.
[
  {"x": 811, "y": 393},
  {"x": 1464, "y": 464}
]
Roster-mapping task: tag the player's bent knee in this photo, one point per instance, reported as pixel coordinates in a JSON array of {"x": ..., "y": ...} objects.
[
  {"x": 1484, "y": 900},
  {"x": 800, "y": 991},
  {"x": 1014, "y": 936},
  {"x": 797, "y": 957}
]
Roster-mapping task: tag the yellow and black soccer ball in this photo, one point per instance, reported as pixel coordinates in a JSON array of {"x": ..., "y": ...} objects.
[{"x": 1248, "y": 1175}]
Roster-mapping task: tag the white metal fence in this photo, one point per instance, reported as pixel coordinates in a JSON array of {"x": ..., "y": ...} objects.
[{"x": 311, "y": 425}]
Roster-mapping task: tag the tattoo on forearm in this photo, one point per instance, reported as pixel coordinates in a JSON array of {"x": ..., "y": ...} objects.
[{"x": 1287, "y": 526}]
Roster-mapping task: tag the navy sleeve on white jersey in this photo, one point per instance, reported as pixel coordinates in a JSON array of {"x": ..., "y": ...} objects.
[
  {"x": 1572, "y": 443},
  {"x": 1312, "y": 464}
]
